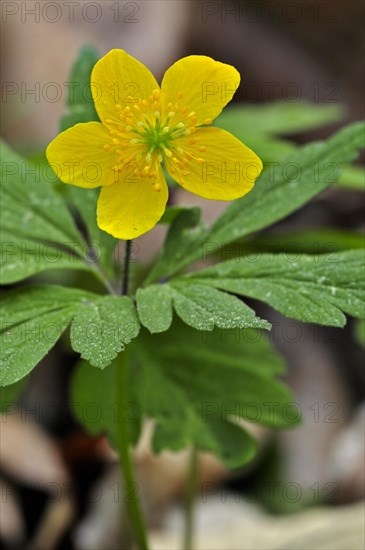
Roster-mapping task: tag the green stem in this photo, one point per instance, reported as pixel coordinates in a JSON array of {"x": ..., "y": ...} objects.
[
  {"x": 100, "y": 274},
  {"x": 191, "y": 488},
  {"x": 125, "y": 460},
  {"x": 126, "y": 466},
  {"x": 127, "y": 261}
]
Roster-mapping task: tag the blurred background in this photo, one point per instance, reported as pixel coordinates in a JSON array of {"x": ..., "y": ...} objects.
[{"x": 306, "y": 487}]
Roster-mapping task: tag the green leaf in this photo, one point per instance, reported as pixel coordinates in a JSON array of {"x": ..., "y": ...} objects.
[
  {"x": 172, "y": 212},
  {"x": 79, "y": 100},
  {"x": 315, "y": 289},
  {"x": 197, "y": 305},
  {"x": 269, "y": 149},
  {"x": 10, "y": 394},
  {"x": 31, "y": 321},
  {"x": 279, "y": 118},
  {"x": 315, "y": 241},
  {"x": 154, "y": 305},
  {"x": 308, "y": 241},
  {"x": 37, "y": 231},
  {"x": 352, "y": 177},
  {"x": 96, "y": 406},
  {"x": 360, "y": 332},
  {"x": 186, "y": 232},
  {"x": 196, "y": 386},
  {"x": 203, "y": 308},
  {"x": 21, "y": 258},
  {"x": 279, "y": 191},
  {"x": 31, "y": 208},
  {"x": 102, "y": 244},
  {"x": 102, "y": 326},
  {"x": 258, "y": 125},
  {"x": 283, "y": 189}
]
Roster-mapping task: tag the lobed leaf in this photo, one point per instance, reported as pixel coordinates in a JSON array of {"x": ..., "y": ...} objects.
[
  {"x": 37, "y": 231},
  {"x": 101, "y": 327},
  {"x": 31, "y": 321},
  {"x": 154, "y": 305},
  {"x": 197, "y": 387},
  {"x": 280, "y": 190},
  {"x": 284, "y": 188},
  {"x": 199, "y": 306},
  {"x": 204, "y": 308},
  {"x": 315, "y": 289}
]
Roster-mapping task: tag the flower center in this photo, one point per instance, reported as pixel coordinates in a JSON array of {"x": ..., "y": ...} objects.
[{"x": 142, "y": 139}]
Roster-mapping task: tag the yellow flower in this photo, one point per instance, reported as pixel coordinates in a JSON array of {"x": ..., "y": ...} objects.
[{"x": 144, "y": 125}]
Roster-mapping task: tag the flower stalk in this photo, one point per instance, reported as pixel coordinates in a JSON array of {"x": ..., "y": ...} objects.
[
  {"x": 127, "y": 261},
  {"x": 133, "y": 504}
]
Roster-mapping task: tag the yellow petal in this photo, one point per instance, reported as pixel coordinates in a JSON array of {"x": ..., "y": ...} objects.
[
  {"x": 219, "y": 166},
  {"x": 205, "y": 85},
  {"x": 118, "y": 79},
  {"x": 78, "y": 156},
  {"x": 131, "y": 207}
]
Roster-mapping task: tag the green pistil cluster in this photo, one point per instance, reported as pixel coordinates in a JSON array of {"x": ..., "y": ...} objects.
[{"x": 157, "y": 138}]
